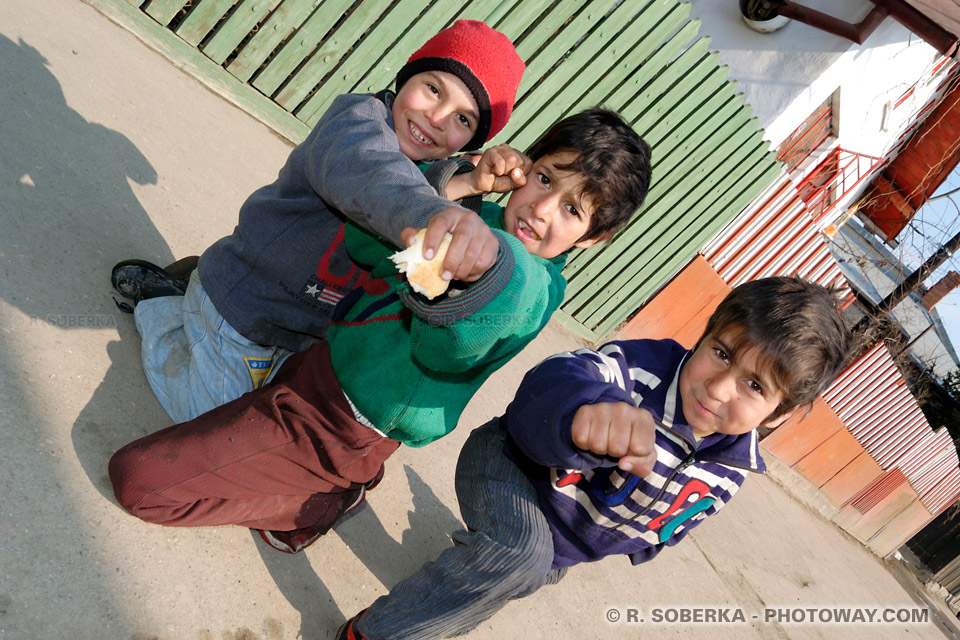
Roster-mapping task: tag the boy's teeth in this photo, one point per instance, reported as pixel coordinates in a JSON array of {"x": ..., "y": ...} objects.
[
  {"x": 526, "y": 227},
  {"x": 419, "y": 136}
]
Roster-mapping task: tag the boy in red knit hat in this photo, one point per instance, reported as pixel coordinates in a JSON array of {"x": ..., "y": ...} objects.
[
  {"x": 397, "y": 368},
  {"x": 268, "y": 290}
]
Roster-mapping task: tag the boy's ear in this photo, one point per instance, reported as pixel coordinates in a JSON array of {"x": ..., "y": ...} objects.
[
  {"x": 778, "y": 421},
  {"x": 589, "y": 242}
]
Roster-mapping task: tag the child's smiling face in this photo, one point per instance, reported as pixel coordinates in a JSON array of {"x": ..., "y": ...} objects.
[
  {"x": 724, "y": 391},
  {"x": 550, "y": 213},
  {"x": 434, "y": 115}
]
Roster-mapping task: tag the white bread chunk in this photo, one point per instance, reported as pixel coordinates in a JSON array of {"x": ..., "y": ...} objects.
[{"x": 423, "y": 275}]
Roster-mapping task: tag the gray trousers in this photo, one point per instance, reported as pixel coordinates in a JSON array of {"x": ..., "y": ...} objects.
[{"x": 505, "y": 553}]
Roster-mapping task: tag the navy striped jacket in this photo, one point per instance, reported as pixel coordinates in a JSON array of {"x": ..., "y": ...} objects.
[{"x": 595, "y": 509}]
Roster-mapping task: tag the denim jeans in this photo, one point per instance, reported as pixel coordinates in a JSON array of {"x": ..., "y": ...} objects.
[
  {"x": 505, "y": 553},
  {"x": 194, "y": 360}
]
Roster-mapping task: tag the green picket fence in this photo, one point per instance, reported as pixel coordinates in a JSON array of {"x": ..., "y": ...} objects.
[{"x": 286, "y": 60}]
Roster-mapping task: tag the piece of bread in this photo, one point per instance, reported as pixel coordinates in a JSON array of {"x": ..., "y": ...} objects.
[{"x": 423, "y": 275}]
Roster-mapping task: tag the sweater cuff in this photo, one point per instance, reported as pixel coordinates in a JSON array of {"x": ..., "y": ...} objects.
[
  {"x": 448, "y": 310},
  {"x": 438, "y": 174}
]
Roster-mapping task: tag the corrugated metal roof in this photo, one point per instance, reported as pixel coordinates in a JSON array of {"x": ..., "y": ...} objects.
[{"x": 775, "y": 236}]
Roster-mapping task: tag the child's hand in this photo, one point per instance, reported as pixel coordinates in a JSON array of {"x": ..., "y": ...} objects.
[
  {"x": 620, "y": 430},
  {"x": 500, "y": 169},
  {"x": 473, "y": 249}
]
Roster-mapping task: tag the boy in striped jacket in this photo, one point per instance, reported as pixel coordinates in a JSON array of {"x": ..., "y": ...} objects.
[{"x": 619, "y": 450}]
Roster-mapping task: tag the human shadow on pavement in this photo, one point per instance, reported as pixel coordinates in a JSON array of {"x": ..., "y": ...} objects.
[
  {"x": 67, "y": 207},
  {"x": 300, "y": 577},
  {"x": 68, "y": 210},
  {"x": 430, "y": 525}
]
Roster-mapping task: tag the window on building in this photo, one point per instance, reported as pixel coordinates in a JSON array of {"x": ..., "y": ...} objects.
[{"x": 812, "y": 134}]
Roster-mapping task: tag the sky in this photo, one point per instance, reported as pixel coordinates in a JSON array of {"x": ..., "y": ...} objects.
[{"x": 935, "y": 223}]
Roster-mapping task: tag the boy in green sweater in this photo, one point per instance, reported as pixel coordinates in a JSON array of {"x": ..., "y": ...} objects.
[{"x": 292, "y": 457}]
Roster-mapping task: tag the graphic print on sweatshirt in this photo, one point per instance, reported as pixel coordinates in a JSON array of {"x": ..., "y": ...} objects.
[
  {"x": 654, "y": 508},
  {"x": 684, "y": 487},
  {"x": 329, "y": 287}
]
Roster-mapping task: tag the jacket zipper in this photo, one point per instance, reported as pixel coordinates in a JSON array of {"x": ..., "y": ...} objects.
[{"x": 689, "y": 460}]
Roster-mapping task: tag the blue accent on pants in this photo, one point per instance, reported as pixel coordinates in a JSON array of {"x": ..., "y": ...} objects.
[{"x": 192, "y": 357}]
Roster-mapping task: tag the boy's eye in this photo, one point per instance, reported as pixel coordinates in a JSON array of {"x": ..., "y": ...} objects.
[
  {"x": 433, "y": 89},
  {"x": 755, "y": 387},
  {"x": 721, "y": 354},
  {"x": 572, "y": 210},
  {"x": 463, "y": 121},
  {"x": 544, "y": 180}
]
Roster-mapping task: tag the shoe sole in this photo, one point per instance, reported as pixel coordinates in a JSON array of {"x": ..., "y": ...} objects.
[
  {"x": 130, "y": 279},
  {"x": 276, "y": 544},
  {"x": 285, "y": 548}
]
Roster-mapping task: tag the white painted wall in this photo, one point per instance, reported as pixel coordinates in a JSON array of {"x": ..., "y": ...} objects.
[{"x": 785, "y": 75}]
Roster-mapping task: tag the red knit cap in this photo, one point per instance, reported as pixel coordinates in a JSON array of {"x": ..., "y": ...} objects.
[{"x": 485, "y": 60}]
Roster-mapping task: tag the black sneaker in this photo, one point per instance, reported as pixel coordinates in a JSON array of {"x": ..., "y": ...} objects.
[
  {"x": 297, "y": 540},
  {"x": 141, "y": 280}
]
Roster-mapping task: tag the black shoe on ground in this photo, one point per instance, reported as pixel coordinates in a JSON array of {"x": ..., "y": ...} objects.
[
  {"x": 297, "y": 540},
  {"x": 141, "y": 280}
]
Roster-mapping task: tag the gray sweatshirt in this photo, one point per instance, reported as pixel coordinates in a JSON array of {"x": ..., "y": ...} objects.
[{"x": 277, "y": 278}]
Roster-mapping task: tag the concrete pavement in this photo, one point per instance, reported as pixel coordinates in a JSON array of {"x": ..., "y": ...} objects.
[{"x": 108, "y": 151}]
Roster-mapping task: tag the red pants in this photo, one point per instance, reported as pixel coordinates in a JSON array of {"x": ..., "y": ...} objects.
[{"x": 276, "y": 458}]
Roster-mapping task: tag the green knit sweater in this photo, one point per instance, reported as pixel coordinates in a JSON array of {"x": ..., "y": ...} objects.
[{"x": 410, "y": 365}]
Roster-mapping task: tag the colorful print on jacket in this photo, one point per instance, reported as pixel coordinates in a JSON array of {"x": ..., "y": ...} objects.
[{"x": 595, "y": 509}]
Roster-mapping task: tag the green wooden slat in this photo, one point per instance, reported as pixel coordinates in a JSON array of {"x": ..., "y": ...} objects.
[
  {"x": 202, "y": 19},
  {"x": 199, "y": 66},
  {"x": 565, "y": 85},
  {"x": 669, "y": 237},
  {"x": 163, "y": 11},
  {"x": 641, "y": 75},
  {"x": 374, "y": 44},
  {"x": 135, "y": 3},
  {"x": 632, "y": 47},
  {"x": 613, "y": 63},
  {"x": 661, "y": 83},
  {"x": 573, "y": 325},
  {"x": 662, "y": 207},
  {"x": 498, "y": 14},
  {"x": 437, "y": 16},
  {"x": 300, "y": 44},
  {"x": 687, "y": 137},
  {"x": 281, "y": 23},
  {"x": 381, "y": 75},
  {"x": 675, "y": 73},
  {"x": 708, "y": 81},
  {"x": 552, "y": 37},
  {"x": 238, "y": 26},
  {"x": 328, "y": 55},
  {"x": 656, "y": 65},
  {"x": 709, "y": 125},
  {"x": 753, "y": 185}
]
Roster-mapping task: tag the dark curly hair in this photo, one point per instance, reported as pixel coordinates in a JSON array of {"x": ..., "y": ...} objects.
[
  {"x": 798, "y": 327},
  {"x": 614, "y": 160}
]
